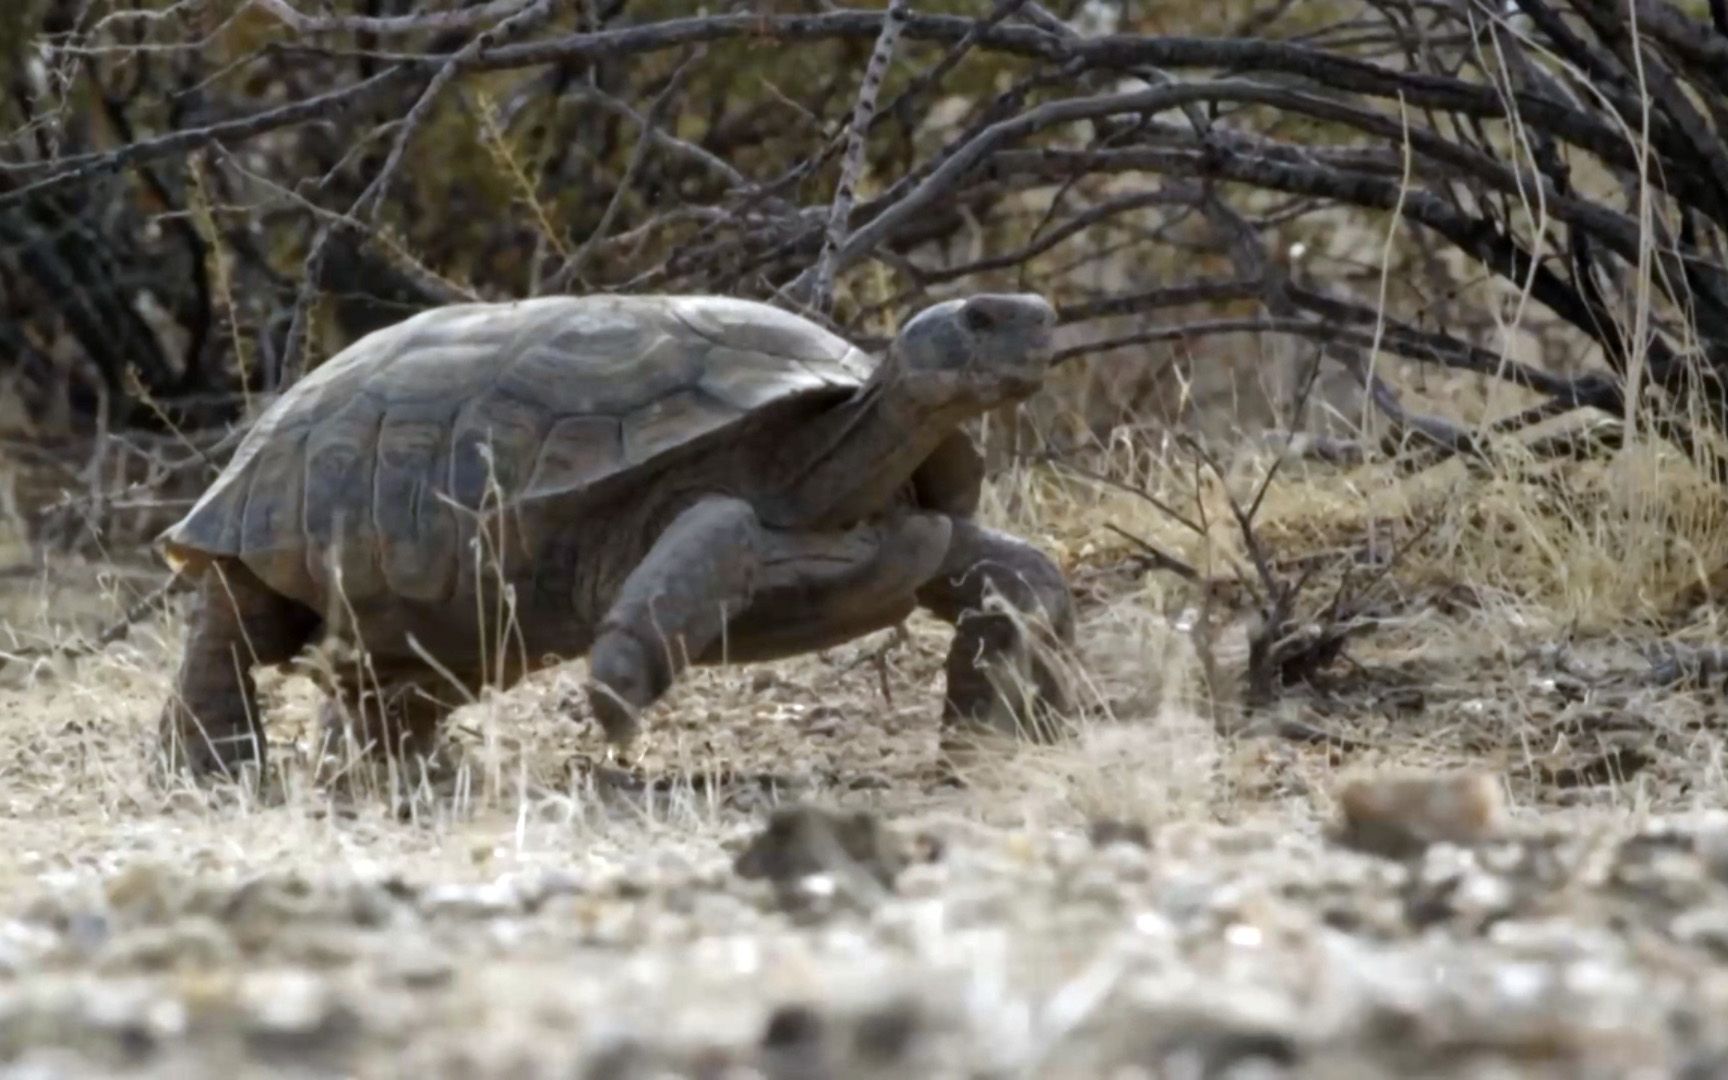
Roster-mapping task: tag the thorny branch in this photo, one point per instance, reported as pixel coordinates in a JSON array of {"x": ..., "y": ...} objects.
[
  {"x": 821, "y": 286},
  {"x": 1555, "y": 178}
]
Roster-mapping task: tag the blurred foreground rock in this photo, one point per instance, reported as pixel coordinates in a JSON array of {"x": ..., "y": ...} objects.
[
  {"x": 810, "y": 854},
  {"x": 1399, "y": 816}
]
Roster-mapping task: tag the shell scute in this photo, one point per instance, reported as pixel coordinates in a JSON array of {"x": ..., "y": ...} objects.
[
  {"x": 747, "y": 380},
  {"x": 270, "y": 522},
  {"x": 336, "y": 522},
  {"x": 492, "y": 448},
  {"x": 576, "y": 452},
  {"x": 416, "y": 532},
  {"x": 669, "y": 420}
]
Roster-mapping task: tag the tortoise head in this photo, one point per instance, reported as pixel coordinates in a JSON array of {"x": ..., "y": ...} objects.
[{"x": 974, "y": 353}]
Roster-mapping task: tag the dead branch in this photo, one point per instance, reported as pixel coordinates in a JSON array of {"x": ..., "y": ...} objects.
[
  {"x": 820, "y": 287},
  {"x": 1548, "y": 177},
  {"x": 524, "y": 15}
]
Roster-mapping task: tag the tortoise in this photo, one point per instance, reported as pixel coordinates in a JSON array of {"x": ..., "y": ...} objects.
[{"x": 485, "y": 489}]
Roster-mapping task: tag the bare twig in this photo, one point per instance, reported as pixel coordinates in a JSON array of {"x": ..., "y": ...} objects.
[
  {"x": 572, "y": 270},
  {"x": 430, "y": 22},
  {"x": 526, "y": 14},
  {"x": 1155, "y": 556},
  {"x": 821, "y": 284}
]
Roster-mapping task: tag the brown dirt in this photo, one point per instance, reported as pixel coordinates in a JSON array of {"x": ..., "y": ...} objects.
[{"x": 1148, "y": 899}]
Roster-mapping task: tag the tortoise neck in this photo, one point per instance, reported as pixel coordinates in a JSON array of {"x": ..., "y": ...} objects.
[{"x": 848, "y": 463}]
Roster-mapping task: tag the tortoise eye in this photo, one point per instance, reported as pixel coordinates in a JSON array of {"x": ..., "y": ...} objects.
[{"x": 977, "y": 318}]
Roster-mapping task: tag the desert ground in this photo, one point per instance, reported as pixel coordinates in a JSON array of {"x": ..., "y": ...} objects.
[{"x": 786, "y": 881}]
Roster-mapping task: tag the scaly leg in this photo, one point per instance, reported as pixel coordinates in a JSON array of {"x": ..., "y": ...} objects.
[
  {"x": 822, "y": 590},
  {"x": 1001, "y": 672},
  {"x": 210, "y": 723},
  {"x": 717, "y": 568}
]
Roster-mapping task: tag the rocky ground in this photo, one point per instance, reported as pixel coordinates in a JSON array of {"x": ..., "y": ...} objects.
[{"x": 787, "y": 883}]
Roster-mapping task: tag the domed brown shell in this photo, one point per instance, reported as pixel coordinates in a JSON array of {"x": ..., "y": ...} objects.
[{"x": 372, "y": 467}]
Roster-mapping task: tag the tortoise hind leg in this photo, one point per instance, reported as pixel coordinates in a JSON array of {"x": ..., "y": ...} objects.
[
  {"x": 210, "y": 722},
  {"x": 1001, "y": 672},
  {"x": 717, "y": 561}
]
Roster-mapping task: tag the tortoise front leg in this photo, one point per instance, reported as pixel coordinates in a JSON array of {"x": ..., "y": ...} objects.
[
  {"x": 210, "y": 722},
  {"x": 1001, "y": 673},
  {"x": 789, "y": 591},
  {"x": 819, "y": 590}
]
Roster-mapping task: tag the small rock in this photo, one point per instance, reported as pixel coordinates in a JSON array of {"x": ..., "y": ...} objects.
[
  {"x": 927, "y": 847},
  {"x": 479, "y": 901},
  {"x": 292, "y": 1013},
  {"x": 1107, "y": 831},
  {"x": 1405, "y": 699},
  {"x": 418, "y": 963},
  {"x": 794, "y": 1044},
  {"x": 194, "y": 942},
  {"x": 373, "y": 906},
  {"x": 824, "y": 720},
  {"x": 1703, "y": 927},
  {"x": 1232, "y": 1051},
  {"x": 547, "y": 885},
  {"x": 1451, "y": 885},
  {"x": 23, "y": 945},
  {"x": 1713, "y": 851},
  {"x": 144, "y": 891},
  {"x": 792, "y": 1025},
  {"x": 619, "y": 1058},
  {"x": 87, "y": 931},
  {"x": 1399, "y": 816},
  {"x": 313, "y": 946},
  {"x": 803, "y": 842},
  {"x": 134, "y": 1016},
  {"x": 884, "y": 1035}
]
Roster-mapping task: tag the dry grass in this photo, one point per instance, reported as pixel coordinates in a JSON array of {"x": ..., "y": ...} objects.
[{"x": 1022, "y": 948}]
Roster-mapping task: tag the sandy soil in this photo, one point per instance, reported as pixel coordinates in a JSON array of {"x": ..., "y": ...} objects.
[{"x": 1148, "y": 899}]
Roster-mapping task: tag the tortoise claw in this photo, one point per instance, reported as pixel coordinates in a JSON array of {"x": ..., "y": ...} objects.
[
  {"x": 618, "y": 718},
  {"x": 622, "y": 681}
]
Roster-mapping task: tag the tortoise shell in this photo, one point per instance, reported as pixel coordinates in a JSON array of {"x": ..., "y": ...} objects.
[{"x": 376, "y": 466}]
